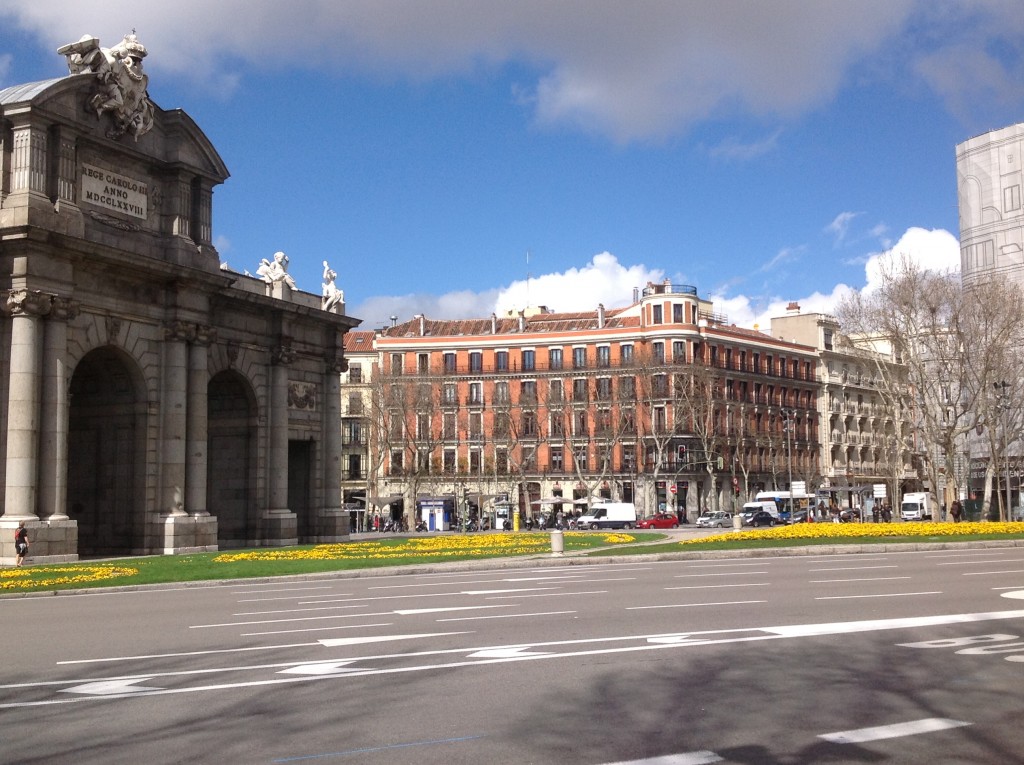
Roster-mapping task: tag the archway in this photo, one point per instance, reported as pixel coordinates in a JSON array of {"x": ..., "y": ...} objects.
[
  {"x": 230, "y": 483},
  {"x": 106, "y": 454}
]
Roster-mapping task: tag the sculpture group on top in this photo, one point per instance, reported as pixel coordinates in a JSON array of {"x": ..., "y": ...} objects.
[
  {"x": 276, "y": 271},
  {"x": 121, "y": 83}
]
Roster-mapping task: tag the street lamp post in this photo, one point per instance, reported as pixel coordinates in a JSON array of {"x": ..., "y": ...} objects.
[
  {"x": 787, "y": 415},
  {"x": 1002, "y": 392}
]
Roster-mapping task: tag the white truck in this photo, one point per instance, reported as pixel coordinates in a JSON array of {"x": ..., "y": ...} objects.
[
  {"x": 916, "y": 506},
  {"x": 608, "y": 515}
]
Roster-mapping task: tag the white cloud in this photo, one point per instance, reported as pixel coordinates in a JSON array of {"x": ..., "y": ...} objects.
[
  {"x": 619, "y": 69},
  {"x": 840, "y": 225},
  {"x": 742, "y": 151},
  {"x": 934, "y": 250}
]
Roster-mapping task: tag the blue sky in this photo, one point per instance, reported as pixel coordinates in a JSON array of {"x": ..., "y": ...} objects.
[{"x": 457, "y": 157}]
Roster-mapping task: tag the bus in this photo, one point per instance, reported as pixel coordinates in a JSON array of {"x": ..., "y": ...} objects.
[{"x": 785, "y": 503}]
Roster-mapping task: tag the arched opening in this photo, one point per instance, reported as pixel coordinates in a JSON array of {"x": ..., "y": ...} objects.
[
  {"x": 231, "y": 482},
  {"x": 106, "y": 449}
]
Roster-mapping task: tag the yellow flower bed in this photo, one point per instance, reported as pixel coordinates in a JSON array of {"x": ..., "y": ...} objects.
[
  {"x": 421, "y": 547},
  {"x": 846, "y": 530},
  {"x": 48, "y": 576}
]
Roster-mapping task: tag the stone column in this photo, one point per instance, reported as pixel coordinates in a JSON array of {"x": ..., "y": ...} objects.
[
  {"x": 23, "y": 414},
  {"x": 334, "y": 521},
  {"x": 196, "y": 425},
  {"x": 280, "y": 524},
  {"x": 175, "y": 408},
  {"x": 53, "y": 454}
]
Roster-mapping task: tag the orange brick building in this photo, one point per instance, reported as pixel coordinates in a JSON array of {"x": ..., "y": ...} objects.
[{"x": 660, "y": 403}]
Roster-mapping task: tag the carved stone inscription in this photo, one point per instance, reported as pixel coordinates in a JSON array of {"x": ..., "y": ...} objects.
[{"x": 115, "y": 192}]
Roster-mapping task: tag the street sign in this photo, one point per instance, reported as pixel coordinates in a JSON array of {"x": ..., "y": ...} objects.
[
  {"x": 799, "y": 487},
  {"x": 879, "y": 490},
  {"x": 672, "y": 488}
]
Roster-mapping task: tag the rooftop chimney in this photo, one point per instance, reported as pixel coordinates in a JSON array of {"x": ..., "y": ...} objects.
[{"x": 600, "y": 315}]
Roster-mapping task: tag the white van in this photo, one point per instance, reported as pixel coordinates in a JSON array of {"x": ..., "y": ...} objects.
[
  {"x": 749, "y": 508},
  {"x": 608, "y": 515},
  {"x": 916, "y": 506}
]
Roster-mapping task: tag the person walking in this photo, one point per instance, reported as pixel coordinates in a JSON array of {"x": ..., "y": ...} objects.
[{"x": 20, "y": 543}]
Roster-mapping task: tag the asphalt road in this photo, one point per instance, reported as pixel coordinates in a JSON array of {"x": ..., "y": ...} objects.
[{"x": 909, "y": 657}]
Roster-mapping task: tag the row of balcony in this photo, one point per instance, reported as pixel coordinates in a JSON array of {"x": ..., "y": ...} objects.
[{"x": 581, "y": 397}]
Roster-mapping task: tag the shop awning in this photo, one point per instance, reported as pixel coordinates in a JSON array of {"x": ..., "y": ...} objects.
[{"x": 382, "y": 501}]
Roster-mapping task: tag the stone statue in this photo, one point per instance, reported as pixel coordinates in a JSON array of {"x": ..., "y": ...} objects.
[
  {"x": 276, "y": 271},
  {"x": 332, "y": 295},
  {"x": 121, "y": 83}
]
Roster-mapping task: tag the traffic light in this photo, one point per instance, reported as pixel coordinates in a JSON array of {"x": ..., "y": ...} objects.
[{"x": 681, "y": 452}]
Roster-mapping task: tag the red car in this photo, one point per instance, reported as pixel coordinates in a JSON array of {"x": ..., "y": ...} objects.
[{"x": 659, "y": 521}]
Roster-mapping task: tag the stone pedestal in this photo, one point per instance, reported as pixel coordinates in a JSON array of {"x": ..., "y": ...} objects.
[
  {"x": 333, "y": 525},
  {"x": 49, "y": 541},
  {"x": 188, "y": 534},
  {"x": 280, "y": 529}
]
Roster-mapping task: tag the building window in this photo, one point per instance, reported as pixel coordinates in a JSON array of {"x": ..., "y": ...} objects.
[
  {"x": 579, "y": 389},
  {"x": 355, "y": 373},
  {"x": 423, "y": 363},
  {"x": 604, "y": 388},
  {"x": 476, "y": 426},
  {"x": 449, "y": 393},
  {"x": 658, "y": 351},
  {"x": 476, "y": 393},
  {"x": 557, "y": 427},
  {"x": 579, "y": 456},
  {"x": 396, "y": 363},
  {"x": 1011, "y": 198},
  {"x": 677, "y": 313},
  {"x": 659, "y": 385},
  {"x": 557, "y": 460},
  {"x": 679, "y": 351},
  {"x": 579, "y": 358},
  {"x": 528, "y": 392},
  {"x": 501, "y": 361},
  {"x": 448, "y": 425},
  {"x": 449, "y": 461},
  {"x": 580, "y": 423},
  {"x": 501, "y": 461},
  {"x": 555, "y": 394},
  {"x": 604, "y": 356},
  {"x": 656, "y": 317},
  {"x": 396, "y": 461},
  {"x": 475, "y": 462},
  {"x": 355, "y": 403},
  {"x": 423, "y": 426},
  {"x": 449, "y": 362},
  {"x": 529, "y": 423},
  {"x": 501, "y": 392},
  {"x": 555, "y": 358},
  {"x": 529, "y": 361},
  {"x": 626, "y": 353},
  {"x": 476, "y": 361}
]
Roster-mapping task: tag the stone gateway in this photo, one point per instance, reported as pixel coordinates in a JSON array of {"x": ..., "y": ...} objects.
[{"x": 151, "y": 401}]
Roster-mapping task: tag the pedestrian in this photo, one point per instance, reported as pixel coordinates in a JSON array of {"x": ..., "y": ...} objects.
[
  {"x": 956, "y": 510},
  {"x": 20, "y": 543}
]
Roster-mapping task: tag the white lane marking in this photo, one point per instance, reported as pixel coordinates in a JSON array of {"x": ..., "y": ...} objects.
[
  {"x": 997, "y": 559},
  {"x": 117, "y": 687},
  {"x": 335, "y": 642},
  {"x": 724, "y": 573},
  {"x": 288, "y": 589},
  {"x": 319, "y": 668},
  {"x": 544, "y": 578},
  {"x": 178, "y": 654},
  {"x": 847, "y": 568},
  {"x": 871, "y": 625},
  {"x": 697, "y": 638},
  {"x": 717, "y": 586},
  {"x": 858, "y": 579},
  {"x": 897, "y": 730},
  {"x": 503, "y": 616},
  {"x": 324, "y": 628},
  {"x": 881, "y": 595},
  {"x": 417, "y": 611},
  {"x": 994, "y": 573},
  {"x": 504, "y": 592},
  {"x": 506, "y": 653},
  {"x": 696, "y": 605},
  {"x": 1014, "y": 595},
  {"x": 549, "y": 595},
  {"x": 282, "y": 621},
  {"x": 297, "y": 610},
  {"x": 685, "y": 758},
  {"x": 722, "y": 565}
]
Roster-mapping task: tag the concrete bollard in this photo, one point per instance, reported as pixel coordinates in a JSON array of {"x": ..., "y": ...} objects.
[
  {"x": 557, "y": 542},
  {"x": 737, "y": 522}
]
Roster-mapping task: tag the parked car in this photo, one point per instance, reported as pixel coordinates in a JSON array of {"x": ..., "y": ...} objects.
[
  {"x": 759, "y": 518},
  {"x": 719, "y": 520},
  {"x": 798, "y": 516},
  {"x": 659, "y": 521}
]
